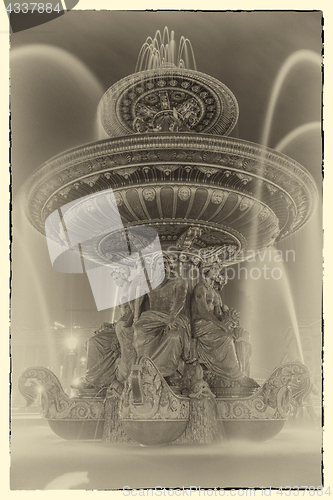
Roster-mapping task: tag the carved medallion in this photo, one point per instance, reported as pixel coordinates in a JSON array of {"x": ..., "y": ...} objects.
[
  {"x": 218, "y": 196},
  {"x": 245, "y": 204},
  {"x": 184, "y": 193}
]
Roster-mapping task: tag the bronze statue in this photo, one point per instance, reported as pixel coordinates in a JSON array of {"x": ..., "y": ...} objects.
[
  {"x": 110, "y": 352},
  {"x": 125, "y": 335},
  {"x": 163, "y": 332},
  {"x": 216, "y": 330},
  {"x": 103, "y": 350}
]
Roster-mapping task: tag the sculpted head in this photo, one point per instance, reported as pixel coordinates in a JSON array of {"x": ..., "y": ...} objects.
[
  {"x": 120, "y": 275},
  {"x": 208, "y": 274},
  {"x": 162, "y": 266}
]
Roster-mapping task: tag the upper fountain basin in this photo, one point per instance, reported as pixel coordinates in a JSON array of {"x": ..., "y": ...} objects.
[
  {"x": 236, "y": 192},
  {"x": 168, "y": 99}
]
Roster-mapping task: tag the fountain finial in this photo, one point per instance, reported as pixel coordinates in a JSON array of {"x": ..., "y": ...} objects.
[{"x": 162, "y": 50}]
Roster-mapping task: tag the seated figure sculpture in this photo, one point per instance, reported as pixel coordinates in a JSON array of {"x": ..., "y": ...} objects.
[
  {"x": 110, "y": 352},
  {"x": 222, "y": 346},
  {"x": 163, "y": 332},
  {"x": 103, "y": 350},
  {"x": 111, "y": 349}
]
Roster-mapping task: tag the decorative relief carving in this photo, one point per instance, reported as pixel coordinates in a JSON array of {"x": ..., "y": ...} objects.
[
  {"x": 245, "y": 204},
  {"x": 158, "y": 402},
  {"x": 122, "y": 159},
  {"x": 180, "y": 86},
  {"x": 211, "y": 157},
  {"x": 272, "y": 189},
  {"x": 126, "y": 172},
  {"x": 218, "y": 196},
  {"x": 166, "y": 154},
  {"x": 167, "y": 169},
  {"x": 189, "y": 237},
  {"x": 264, "y": 214},
  {"x": 118, "y": 198},
  {"x": 285, "y": 388},
  {"x": 244, "y": 178},
  {"x": 294, "y": 184},
  {"x": 208, "y": 171},
  {"x": 184, "y": 193},
  {"x": 55, "y": 402},
  {"x": 149, "y": 194},
  {"x": 168, "y": 109},
  {"x": 64, "y": 192},
  {"x": 91, "y": 181}
]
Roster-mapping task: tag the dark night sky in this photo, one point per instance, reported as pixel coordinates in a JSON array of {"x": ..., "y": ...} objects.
[{"x": 54, "y": 95}]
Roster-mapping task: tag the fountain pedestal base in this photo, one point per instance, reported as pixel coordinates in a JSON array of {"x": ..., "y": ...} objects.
[{"x": 153, "y": 414}]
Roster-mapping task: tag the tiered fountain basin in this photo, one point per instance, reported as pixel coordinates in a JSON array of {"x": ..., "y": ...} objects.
[
  {"x": 169, "y": 170},
  {"x": 236, "y": 192}
]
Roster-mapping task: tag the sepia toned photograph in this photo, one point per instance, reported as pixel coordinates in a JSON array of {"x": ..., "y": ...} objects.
[{"x": 167, "y": 241}]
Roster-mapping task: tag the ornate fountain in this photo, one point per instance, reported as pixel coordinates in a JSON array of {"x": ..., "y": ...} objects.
[{"x": 154, "y": 215}]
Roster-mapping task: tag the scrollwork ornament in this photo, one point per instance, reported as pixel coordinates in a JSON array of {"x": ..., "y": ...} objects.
[
  {"x": 284, "y": 390},
  {"x": 259, "y": 404},
  {"x": 284, "y": 399},
  {"x": 158, "y": 401},
  {"x": 55, "y": 402}
]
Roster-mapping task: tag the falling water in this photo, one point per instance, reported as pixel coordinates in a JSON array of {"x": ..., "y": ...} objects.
[
  {"x": 289, "y": 64},
  {"x": 57, "y": 101},
  {"x": 99, "y": 130},
  {"x": 44, "y": 80},
  {"x": 300, "y": 56},
  {"x": 286, "y": 293},
  {"x": 297, "y": 132},
  {"x": 162, "y": 49},
  {"x": 66, "y": 64},
  {"x": 27, "y": 242},
  {"x": 267, "y": 309}
]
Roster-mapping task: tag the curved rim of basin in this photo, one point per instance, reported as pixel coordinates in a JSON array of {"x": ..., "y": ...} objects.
[{"x": 73, "y": 174}]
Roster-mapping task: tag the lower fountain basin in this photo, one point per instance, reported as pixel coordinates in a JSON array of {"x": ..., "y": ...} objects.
[
  {"x": 251, "y": 430},
  {"x": 79, "y": 429},
  {"x": 154, "y": 432}
]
